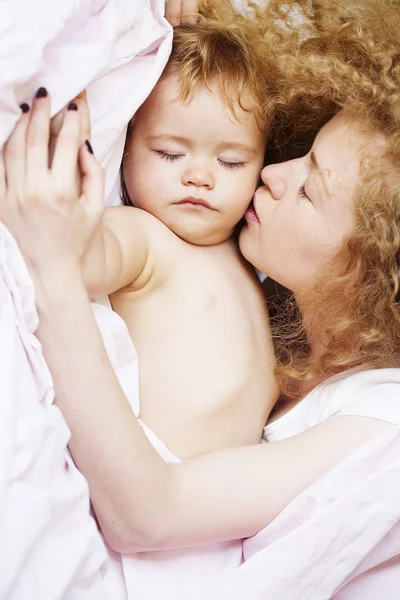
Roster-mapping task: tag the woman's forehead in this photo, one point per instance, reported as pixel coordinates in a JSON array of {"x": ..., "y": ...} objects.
[{"x": 338, "y": 152}]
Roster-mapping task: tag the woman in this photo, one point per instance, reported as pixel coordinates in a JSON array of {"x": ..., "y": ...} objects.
[{"x": 326, "y": 226}]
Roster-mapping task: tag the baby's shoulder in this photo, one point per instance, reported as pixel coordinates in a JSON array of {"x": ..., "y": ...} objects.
[
  {"x": 127, "y": 221},
  {"x": 137, "y": 232},
  {"x": 129, "y": 216}
]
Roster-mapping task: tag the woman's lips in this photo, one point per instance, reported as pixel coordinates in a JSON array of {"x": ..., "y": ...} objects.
[
  {"x": 251, "y": 214},
  {"x": 193, "y": 202}
]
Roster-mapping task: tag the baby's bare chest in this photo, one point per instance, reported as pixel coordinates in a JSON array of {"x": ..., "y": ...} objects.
[
  {"x": 205, "y": 311},
  {"x": 204, "y": 350}
]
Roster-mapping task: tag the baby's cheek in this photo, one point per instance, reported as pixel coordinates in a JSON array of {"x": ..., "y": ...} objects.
[
  {"x": 139, "y": 186},
  {"x": 159, "y": 186},
  {"x": 248, "y": 185}
]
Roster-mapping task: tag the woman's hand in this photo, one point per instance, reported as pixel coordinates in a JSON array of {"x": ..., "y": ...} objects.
[
  {"x": 179, "y": 12},
  {"x": 85, "y": 129},
  {"x": 40, "y": 204}
]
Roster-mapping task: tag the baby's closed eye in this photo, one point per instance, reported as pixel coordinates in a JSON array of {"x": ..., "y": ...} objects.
[
  {"x": 231, "y": 164},
  {"x": 168, "y": 155},
  {"x": 174, "y": 156}
]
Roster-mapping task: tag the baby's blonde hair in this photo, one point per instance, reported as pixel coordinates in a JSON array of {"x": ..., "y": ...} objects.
[
  {"x": 218, "y": 56},
  {"x": 218, "y": 53}
]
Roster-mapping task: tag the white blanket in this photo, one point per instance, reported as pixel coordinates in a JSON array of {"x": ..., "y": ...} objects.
[
  {"x": 49, "y": 545},
  {"x": 339, "y": 539},
  {"x": 116, "y": 49}
]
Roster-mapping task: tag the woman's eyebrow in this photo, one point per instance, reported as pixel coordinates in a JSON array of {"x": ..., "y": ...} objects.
[{"x": 320, "y": 172}]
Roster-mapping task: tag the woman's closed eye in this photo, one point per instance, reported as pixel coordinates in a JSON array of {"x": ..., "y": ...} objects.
[
  {"x": 168, "y": 156},
  {"x": 303, "y": 193}
]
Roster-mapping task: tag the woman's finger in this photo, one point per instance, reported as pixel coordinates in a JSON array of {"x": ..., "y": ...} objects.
[
  {"x": 83, "y": 107},
  {"x": 3, "y": 187},
  {"x": 55, "y": 127},
  {"x": 65, "y": 159},
  {"x": 173, "y": 11},
  {"x": 57, "y": 121},
  {"x": 37, "y": 137},
  {"x": 14, "y": 154},
  {"x": 189, "y": 11},
  {"x": 92, "y": 180}
]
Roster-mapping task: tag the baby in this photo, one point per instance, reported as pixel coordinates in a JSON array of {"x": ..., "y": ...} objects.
[
  {"x": 174, "y": 274},
  {"x": 171, "y": 265}
]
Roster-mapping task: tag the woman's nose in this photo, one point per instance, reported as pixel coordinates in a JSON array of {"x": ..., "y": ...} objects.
[
  {"x": 273, "y": 176},
  {"x": 199, "y": 176}
]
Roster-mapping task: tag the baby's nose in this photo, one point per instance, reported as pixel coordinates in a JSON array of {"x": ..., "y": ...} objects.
[{"x": 199, "y": 176}]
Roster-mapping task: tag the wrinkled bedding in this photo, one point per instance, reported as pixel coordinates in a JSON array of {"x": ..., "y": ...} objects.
[
  {"x": 50, "y": 547},
  {"x": 339, "y": 539}
]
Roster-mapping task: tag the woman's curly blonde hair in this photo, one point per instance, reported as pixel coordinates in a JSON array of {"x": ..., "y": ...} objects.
[
  {"x": 345, "y": 55},
  {"x": 304, "y": 61}
]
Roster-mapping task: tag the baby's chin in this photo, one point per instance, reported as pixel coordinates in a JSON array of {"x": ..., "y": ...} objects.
[{"x": 200, "y": 236}]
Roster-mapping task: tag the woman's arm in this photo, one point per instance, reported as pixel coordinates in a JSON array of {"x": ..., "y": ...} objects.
[
  {"x": 144, "y": 504},
  {"x": 141, "y": 503}
]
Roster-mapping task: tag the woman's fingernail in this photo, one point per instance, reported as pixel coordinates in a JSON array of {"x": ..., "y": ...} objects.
[
  {"x": 41, "y": 93},
  {"x": 24, "y": 107},
  {"x": 72, "y": 106},
  {"x": 88, "y": 146}
]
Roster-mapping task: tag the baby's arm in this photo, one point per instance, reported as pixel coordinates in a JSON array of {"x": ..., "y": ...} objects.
[{"x": 119, "y": 252}]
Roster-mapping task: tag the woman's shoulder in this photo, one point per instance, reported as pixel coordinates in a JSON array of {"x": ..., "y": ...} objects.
[{"x": 373, "y": 393}]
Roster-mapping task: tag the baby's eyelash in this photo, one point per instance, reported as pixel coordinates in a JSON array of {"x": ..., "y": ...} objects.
[
  {"x": 223, "y": 163},
  {"x": 231, "y": 165},
  {"x": 303, "y": 193},
  {"x": 166, "y": 156}
]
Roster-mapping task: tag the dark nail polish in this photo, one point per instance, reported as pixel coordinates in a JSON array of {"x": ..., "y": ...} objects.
[
  {"x": 72, "y": 106},
  {"x": 24, "y": 107},
  {"x": 89, "y": 147},
  {"x": 41, "y": 93}
]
